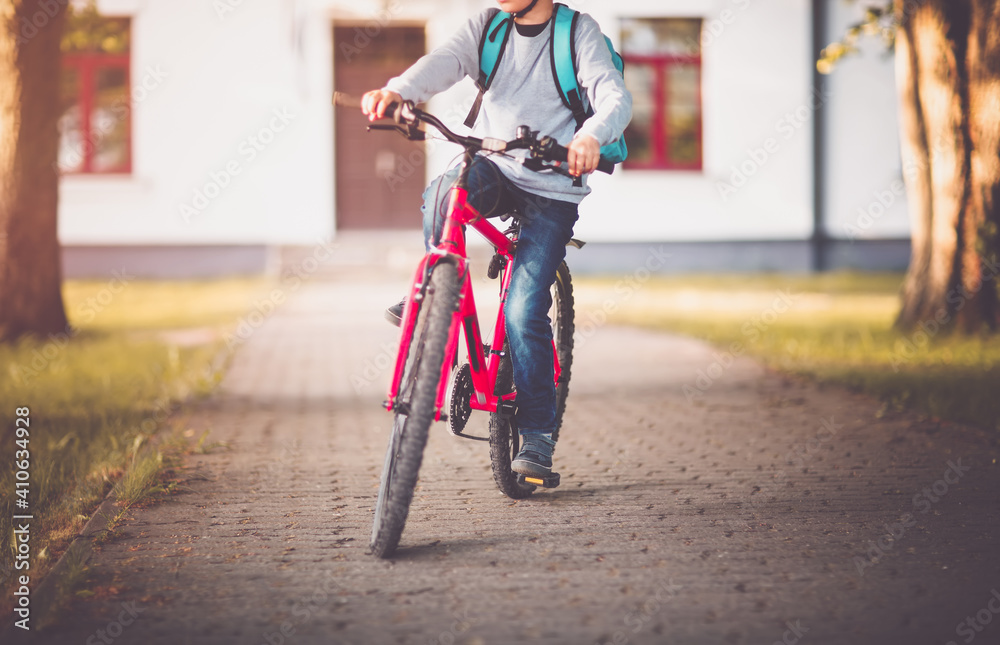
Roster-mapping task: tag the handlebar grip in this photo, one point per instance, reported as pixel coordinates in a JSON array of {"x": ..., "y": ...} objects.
[
  {"x": 343, "y": 99},
  {"x": 557, "y": 152}
]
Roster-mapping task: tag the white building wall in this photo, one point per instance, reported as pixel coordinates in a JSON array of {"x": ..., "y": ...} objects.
[
  {"x": 756, "y": 96},
  {"x": 237, "y": 129},
  {"x": 214, "y": 81},
  {"x": 864, "y": 196},
  {"x": 208, "y": 167}
]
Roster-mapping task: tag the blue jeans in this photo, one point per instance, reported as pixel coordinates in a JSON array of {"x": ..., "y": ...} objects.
[{"x": 546, "y": 227}]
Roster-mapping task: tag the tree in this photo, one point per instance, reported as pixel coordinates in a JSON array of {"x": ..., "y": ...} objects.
[
  {"x": 30, "y": 265},
  {"x": 947, "y": 56}
]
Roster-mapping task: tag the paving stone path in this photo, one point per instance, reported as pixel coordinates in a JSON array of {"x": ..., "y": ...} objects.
[{"x": 764, "y": 510}]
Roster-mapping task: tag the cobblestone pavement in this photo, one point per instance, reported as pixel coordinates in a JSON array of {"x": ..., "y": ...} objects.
[{"x": 764, "y": 510}]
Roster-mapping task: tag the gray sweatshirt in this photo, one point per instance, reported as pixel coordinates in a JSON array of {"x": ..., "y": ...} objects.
[{"x": 524, "y": 93}]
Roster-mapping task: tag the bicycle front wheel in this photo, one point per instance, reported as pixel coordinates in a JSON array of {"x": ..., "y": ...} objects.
[{"x": 416, "y": 407}]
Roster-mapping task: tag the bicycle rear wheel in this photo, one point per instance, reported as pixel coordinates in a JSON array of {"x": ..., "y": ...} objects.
[
  {"x": 416, "y": 403},
  {"x": 563, "y": 328},
  {"x": 504, "y": 440}
]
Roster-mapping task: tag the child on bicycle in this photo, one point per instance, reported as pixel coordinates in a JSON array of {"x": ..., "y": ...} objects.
[{"x": 523, "y": 92}]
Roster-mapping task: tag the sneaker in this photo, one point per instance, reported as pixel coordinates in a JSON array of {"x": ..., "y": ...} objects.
[
  {"x": 394, "y": 314},
  {"x": 535, "y": 456}
]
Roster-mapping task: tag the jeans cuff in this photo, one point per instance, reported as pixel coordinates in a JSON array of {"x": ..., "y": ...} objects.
[{"x": 537, "y": 435}]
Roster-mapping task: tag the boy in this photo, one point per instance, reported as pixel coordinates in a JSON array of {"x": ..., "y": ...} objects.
[{"x": 523, "y": 93}]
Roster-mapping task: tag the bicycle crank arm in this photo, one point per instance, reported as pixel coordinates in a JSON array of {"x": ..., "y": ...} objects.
[
  {"x": 549, "y": 481},
  {"x": 469, "y": 436}
]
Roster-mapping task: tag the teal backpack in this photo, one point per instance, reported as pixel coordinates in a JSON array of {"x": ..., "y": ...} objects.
[{"x": 564, "y": 70}]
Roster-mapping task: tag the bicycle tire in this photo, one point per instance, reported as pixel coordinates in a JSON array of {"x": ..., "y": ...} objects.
[
  {"x": 563, "y": 328},
  {"x": 504, "y": 441},
  {"x": 418, "y": 389}
]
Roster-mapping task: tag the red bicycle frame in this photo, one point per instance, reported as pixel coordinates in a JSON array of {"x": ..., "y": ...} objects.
[{"x": 452, "y": 249}]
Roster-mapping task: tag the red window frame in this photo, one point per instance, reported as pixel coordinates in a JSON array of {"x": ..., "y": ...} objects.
[
  {"x": 661, "y": 143},
  {"x": 87, "y": 64}
]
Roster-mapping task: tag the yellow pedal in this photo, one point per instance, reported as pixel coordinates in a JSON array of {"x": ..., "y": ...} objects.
[{"x": 549, "y": 481}]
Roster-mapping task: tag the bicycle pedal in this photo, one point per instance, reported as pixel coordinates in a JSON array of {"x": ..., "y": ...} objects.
[{"x": 549, "y": 481}]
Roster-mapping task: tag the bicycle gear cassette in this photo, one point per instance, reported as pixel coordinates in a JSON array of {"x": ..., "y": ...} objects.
[{"x": 461, "y": 393}]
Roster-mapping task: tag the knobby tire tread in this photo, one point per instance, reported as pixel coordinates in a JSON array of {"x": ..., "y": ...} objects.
[
  {"x": 567, "y": 327},
  {"x": 403, "y": 467}
]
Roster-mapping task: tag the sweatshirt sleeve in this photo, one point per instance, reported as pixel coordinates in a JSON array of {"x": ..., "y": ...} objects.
[
  {"x": 605, "y": 88},
  {"x": 445, "y": 66}
]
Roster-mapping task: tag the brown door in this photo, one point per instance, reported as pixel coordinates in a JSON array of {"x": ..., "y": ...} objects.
[{"x": 380, "y": 175}]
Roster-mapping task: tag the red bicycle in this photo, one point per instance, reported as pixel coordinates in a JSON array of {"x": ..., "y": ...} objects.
[{"x": 439, "y": 306}]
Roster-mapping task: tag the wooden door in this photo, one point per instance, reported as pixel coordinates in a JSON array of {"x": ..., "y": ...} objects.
[{"x": 380, "y": 175}]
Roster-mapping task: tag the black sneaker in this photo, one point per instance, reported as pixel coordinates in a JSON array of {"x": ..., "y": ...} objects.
[
  {"x": 535, "y": 456},
  {"x": 394, "y": 314}
]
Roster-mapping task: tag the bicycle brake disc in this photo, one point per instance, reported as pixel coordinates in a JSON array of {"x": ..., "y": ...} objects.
[{"x": 461, "y": 393}]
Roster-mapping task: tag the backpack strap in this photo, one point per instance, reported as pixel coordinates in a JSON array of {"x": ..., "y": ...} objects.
[
  {"x": 564, "y": 70},
  {"x": 492, "y": 45}
]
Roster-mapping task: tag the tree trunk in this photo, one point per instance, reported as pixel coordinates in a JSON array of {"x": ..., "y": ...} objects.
[
  {"x": 984, "y": 133},
  {"x": 30, "y": 266},
  {"x": 947, "y": 72}
]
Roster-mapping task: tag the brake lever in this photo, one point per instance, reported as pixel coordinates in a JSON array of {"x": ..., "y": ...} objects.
[
  {"x": 538, "y": 165},
  {"x": 410, "y": 132},
  {"x": 405, "y": 114}
]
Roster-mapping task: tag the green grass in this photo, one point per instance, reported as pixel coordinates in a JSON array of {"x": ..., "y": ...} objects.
[
  {"x": 99, "y": 393},
  {"x": 833, "y": 327}
]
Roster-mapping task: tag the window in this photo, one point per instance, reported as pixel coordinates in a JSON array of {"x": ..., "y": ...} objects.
[
  {"x": 663, "y": 72},
  {"x": 96, "y": 122}
]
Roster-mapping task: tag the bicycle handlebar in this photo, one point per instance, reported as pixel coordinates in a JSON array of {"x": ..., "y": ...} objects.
[
  {"x": 557, "y": 152},
  {"x": 408, "y": 119}
]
